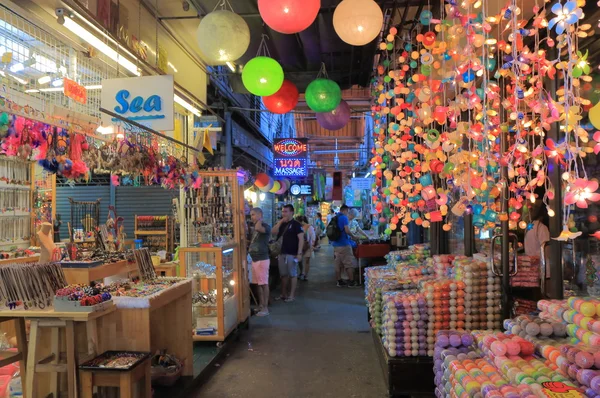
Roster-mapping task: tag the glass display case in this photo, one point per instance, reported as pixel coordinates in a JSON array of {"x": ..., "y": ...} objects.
[{"x": 216, "y": 295}]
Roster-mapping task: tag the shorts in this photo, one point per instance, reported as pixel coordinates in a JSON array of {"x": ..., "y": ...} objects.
[
  {"x": 287, "y": 265},
  {"x": 260, "y": 272},
  {"x": 308, "y": 253},
  {"x": 344, "y": 258}
]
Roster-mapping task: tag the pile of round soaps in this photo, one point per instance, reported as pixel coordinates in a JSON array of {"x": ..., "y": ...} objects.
[
  {"x": 442, "y": 264},
  {"x": 414, "y": 270},
  {"x": 395, "y": 257},
  {"x": 379, "y": 280},
  {"x": 580, "y": 314},
  {"x": 528, "y": 325},
  {"x": 498, "y": 344},
  {"x": 482, "y": 294},
  {"x": 445, "y": 307},
  {"x": 421, "y": 251},
  {"x": 404, "y": 324}
]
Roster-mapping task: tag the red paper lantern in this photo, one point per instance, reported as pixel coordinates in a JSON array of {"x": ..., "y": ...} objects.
[
  {"x": 262, "y": 180},
  {"x": 283, "y": 100},
  {"x": 289, "y": 16}
]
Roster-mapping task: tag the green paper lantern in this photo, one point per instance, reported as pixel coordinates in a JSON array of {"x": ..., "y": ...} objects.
[
  {"x": 262, "y": 76},
  {"x": 323, "y": 95}
]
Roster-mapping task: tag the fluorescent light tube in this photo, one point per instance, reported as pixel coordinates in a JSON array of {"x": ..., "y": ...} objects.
[
  {"x": 230, "y": 65},
  {"x": 19, "y": 79},
  {"x": 186, "y": 105},
  {"x": 44, "y": 79},
  {"x": 101, "y": 46},
  {"x": 94, "y": 87},
  {"x": 57, "y": 83}
]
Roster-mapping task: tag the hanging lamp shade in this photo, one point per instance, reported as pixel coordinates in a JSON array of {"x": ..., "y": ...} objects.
[
  {"x": 284, "y": 100},
  {"x": 261, "y": 180},
  {"x": 262, "y": 76},
  {"x": 222, "y": 36},
  {"x": 276, "y": 187},
  {"x": 335, "y": 119},
  {"x": 289, "y": 16},
  {"x": 323, "y": 95},
  {"x": 357, "y": 22}
]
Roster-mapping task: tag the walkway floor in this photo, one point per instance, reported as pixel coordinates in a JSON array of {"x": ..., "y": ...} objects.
[{"x": 318, "y": 346}]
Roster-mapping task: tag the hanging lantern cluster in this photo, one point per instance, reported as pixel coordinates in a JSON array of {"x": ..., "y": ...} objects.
[
  {"x": 266, "y": 183},
  {"x": 466, "y": 99}
]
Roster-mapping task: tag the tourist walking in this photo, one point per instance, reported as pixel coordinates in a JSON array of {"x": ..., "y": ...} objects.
[
  {"x": 339, "y": 235},
  {"x": 308, "y": 247},
  {"x": 292, "y": 241},
  {"x": 259, "y": 253}
]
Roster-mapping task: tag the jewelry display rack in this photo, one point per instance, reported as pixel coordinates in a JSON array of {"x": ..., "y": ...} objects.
[
  {"x": 214, "y": 219},
  {"x": 16, "y": 198},
  {"x": 154, "y": 231}
]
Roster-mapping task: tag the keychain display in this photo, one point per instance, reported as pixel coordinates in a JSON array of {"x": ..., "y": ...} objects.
[{"x": 34, "y": 285}]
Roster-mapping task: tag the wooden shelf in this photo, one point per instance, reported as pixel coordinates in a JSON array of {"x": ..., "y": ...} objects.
[{"x": 151, "y": 233}]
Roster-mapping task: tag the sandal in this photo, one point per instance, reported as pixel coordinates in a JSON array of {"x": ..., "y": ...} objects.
[
  {"x": 290, "y": 299},
  {"x": 281, "y": 298}
]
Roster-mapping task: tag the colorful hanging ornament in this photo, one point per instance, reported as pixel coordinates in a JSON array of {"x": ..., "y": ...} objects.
[
  {"x": 289, "y": 16},
  {"x": 336, "y": 119},
  {"x": 222, "y": 36},
  {"x": 357, "y": 22},
  {"x": 284, "y": 100}
]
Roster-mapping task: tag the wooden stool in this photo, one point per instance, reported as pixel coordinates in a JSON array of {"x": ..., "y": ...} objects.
[
  {"x": 8, "y": 357},
  {"x": 125, "y": 380},
  {"x": 54, "y": 363}
]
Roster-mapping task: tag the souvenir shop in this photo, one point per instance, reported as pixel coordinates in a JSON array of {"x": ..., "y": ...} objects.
[{"x": 123, "y": 262}]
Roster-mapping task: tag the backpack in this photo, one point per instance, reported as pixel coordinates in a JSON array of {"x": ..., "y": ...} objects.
[{"x": 334, "y": 232}]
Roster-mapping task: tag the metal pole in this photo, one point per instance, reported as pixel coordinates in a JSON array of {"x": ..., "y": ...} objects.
[
  {"x": 228, "y": 163},
  {"x": 469, "y": 235},
  {"x": 504, "y": 261}
]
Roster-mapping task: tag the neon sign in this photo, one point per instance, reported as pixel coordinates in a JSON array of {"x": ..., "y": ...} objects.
[
  {"x": 290, "y": 147},
  {"x": 290, "y": 157}
]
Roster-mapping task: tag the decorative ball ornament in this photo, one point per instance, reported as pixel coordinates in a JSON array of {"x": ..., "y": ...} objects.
[
  {"x": 357, "y": 22},
  {"x": 335, "y": 119},
  {"x": 289, "y": 16},
  {"x": 284, "y": 100},
  {"x": 262, "y": 76},
  {"x": 222, "y": 36},
  {"x": 262, "y": 180},
  {"x": 323, "y": 95}
]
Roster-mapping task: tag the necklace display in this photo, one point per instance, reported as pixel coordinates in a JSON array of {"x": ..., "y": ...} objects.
[
  {"x": 15, "y": 229},
  {"x": 15, "y": 172},
  {"x": 144, "y": 263},
  {"x": 33, "y": 285},
  {"x": 13, "y": 200}
]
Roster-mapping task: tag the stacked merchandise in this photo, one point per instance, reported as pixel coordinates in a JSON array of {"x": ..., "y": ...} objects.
[
  {"x": 420, "y": 251},
  {"x": 523, "y": 306},
  {"x": 442, "y": 265},
  {"x": 415, "y": 270},
  {"x": 445, "y": 306},
  {"x": 582, "y": 316},
  {"x": 379, "y": 280},
  {"x": 528, "y": 274},
  {"x": 404, "y": 324},
  {"x": 498, "y": 365},
  {"x": 482, "y": 294}
]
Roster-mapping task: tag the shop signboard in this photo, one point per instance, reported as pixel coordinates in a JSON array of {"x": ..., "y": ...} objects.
[
  {"x": 301, "y": 190},
  {"x": 146, "y": 100},
  {"x": 75, "y": 91},
  {"x": 362, "y": 183},
  {"x": 290, "y": 157}
]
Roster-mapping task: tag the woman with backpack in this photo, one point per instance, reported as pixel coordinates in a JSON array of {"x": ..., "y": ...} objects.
[{"x": 309, "y": 241}]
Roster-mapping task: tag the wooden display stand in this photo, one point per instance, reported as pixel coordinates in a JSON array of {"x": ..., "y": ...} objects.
[
  {"x": 42, "y": 357},
  {"x": 139, "y": 233},
  {"x": 165, "y": 325},
  {"x": 124, "y": 380},
  {"x": 86, "y": 275}
]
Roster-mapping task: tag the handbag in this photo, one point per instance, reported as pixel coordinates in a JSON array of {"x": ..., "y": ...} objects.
[{"x": 275, "y": 246}]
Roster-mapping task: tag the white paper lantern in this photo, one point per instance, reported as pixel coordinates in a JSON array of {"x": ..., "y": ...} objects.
[
  {"x": 223, "y": 36},
  {"x": 357, "y": 22}
]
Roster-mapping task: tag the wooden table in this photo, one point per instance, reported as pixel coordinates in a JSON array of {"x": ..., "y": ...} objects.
[
  {"x": 166, "y": 269},
  {"x": 66, "y": 319},
  {"x": 86, "y": 275},
  {"x": 369, "y": 251},
  {"x": 165, "y": 324}
]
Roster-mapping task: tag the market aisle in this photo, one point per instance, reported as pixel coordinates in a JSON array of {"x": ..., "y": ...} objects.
[{"x": 318, "y": 346}]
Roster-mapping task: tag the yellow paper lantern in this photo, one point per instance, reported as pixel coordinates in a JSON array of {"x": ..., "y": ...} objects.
[{"x": 357, "y": 22}]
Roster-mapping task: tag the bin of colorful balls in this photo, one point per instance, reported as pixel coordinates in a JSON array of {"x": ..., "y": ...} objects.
[
  {"x": 395, "y": 257},
  {"x": 443, "y": 265},
  {"x": 376, "y": 286},
  {"x": 449, "y": 342},
  {"x": 534, "y": 326},
  {"x": 421, "y": 251},
  {"x": 445, "y": 306},
  {"x": 482, "y": 293},
  {"x": 404, "y": 324},
  {"x": 414, "y": 270},
  {"x": 580, "y": 315}
]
